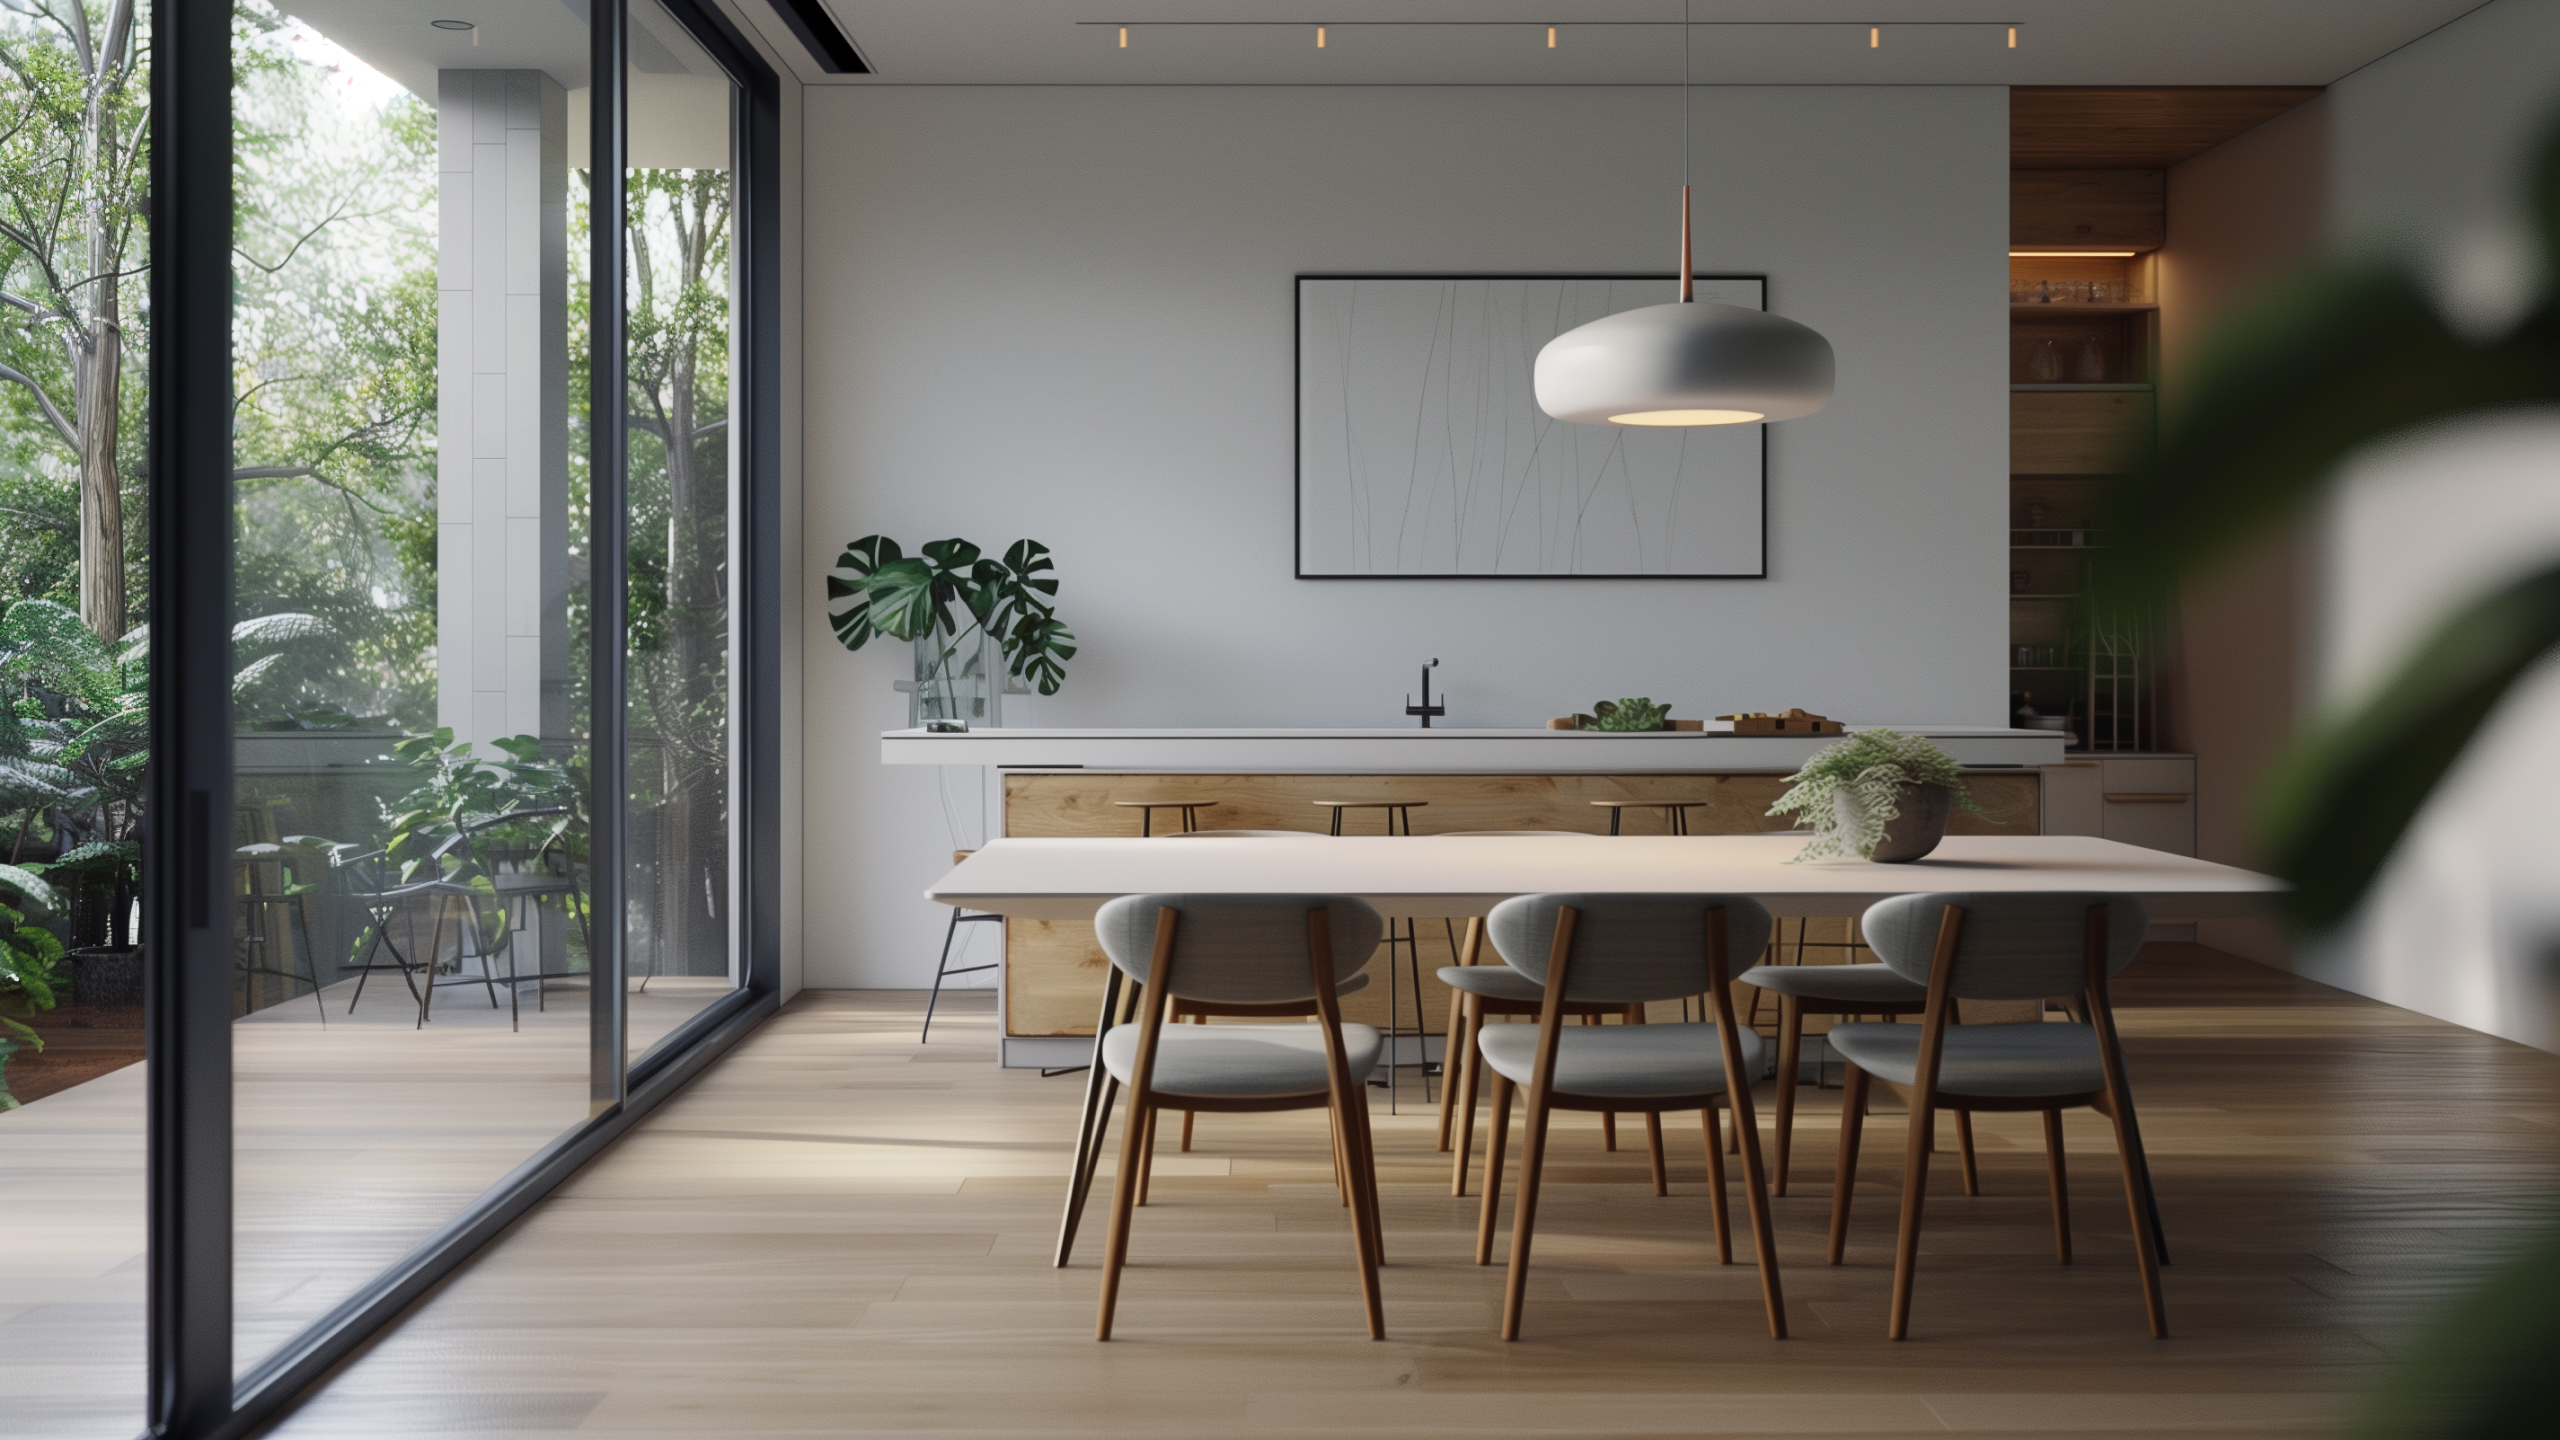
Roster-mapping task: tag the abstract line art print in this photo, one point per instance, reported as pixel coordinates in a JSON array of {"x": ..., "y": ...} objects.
[{"x": 1422, "y": 451}]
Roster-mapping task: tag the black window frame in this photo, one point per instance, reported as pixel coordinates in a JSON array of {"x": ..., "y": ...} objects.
[{"x": 192, "y": 1392}]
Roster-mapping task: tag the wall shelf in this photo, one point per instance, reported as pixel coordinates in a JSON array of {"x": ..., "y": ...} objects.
[{"x": 2062, "y": 308}]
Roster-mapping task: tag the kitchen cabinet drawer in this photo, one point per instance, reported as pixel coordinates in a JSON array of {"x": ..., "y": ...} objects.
[{"x": 2149, "y": 800}]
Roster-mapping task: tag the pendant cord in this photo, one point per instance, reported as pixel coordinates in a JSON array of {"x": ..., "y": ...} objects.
[{"x": 1688, "y": 289}]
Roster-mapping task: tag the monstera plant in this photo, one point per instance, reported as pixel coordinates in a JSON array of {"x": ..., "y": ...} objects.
[
  {"x": 952, "y": 597},
  {"x": 2343, "y": 355}
]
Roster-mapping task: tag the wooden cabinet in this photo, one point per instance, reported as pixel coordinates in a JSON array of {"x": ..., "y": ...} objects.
[
  {"x": 2078, "y": 432},
  {"x": 2145, "y": 800}
]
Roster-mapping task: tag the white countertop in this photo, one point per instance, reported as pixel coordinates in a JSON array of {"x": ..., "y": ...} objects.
[
  {"x": 1447, "y": 875},
  {"x": 1416, "y": 750}
]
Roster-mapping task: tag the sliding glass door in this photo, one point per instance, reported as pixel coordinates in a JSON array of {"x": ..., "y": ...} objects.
[{"x": 460, "y": 460}]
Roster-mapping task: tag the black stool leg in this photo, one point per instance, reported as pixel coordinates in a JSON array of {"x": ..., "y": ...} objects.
[{"x": 940, "y": 967}]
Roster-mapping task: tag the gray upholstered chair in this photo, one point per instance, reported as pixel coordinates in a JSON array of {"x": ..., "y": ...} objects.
[
  {"x": 1477, "y": 990},
  {"x": 1624, "y": 950},
  {"x": 1998, "y": 946},
  {"x": 1847, "y": 990},
  {"x": 1242, "y": 950}
]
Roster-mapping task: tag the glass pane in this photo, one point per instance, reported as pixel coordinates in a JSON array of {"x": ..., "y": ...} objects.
[
  {"x": 408, "y": 828},
  {"x": 76, "y": 337},
  {"x": 679, "y": 221}
]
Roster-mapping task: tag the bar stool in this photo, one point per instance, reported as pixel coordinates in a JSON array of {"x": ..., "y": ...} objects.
[
  {"x": 1677, "y": 811},
  {"x": 959, "y": 917},
  {"x": 1392, "y": 807},
  {"x": 1147, "y": 812},
  {"x": 1410, "y": 940}
]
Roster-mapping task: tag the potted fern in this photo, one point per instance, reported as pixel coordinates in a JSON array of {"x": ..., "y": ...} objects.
[{"x": 1878, "y": 795}]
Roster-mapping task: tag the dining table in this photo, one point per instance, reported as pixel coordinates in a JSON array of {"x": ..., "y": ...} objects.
[{"x": 1467, "y": 875}]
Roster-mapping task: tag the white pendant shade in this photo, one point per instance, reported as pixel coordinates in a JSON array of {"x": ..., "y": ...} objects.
[{"x": 1690, "y": 363}]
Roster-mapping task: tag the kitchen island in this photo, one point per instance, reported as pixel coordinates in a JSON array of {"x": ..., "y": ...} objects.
[{"x": 1071, "y": 784}]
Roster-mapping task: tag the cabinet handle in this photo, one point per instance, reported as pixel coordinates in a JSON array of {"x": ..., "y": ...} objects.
[{"x": 2147, "y": 799}]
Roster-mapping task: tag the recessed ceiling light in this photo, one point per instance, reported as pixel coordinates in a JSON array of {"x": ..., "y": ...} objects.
[
  {"x": 1319, "y": 37},
  {"x": 1875, "y": 37},
  {"x": 1551, "y": 37},
  {"x": 1124, "y": 37},
  {"x": 453, "y": 25}
]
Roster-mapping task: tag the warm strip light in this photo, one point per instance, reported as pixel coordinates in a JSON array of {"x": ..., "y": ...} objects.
[
  {"x": 2073, "y": 254},
  {"x": 1124, "y": 37},
  {"x": 2013, "y": 37},
  {"x": 1319, "y": 37},
  {"x": 1875, "y": 37},
  {"x": 1551, "y": 37},
  {"x": 1687, "y": 417}
]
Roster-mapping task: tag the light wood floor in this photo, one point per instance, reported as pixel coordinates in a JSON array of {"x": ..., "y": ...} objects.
[
  {"x": 837, "y": 1232},
  {"x": 353, "y": 1141}
]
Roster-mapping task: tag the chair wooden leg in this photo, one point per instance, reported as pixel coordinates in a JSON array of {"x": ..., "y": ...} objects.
[
  {"x": 1964, "y": 1152},
  {"x": 1608, "y": 1118},
  {"x": 1715, "y": 1184},
  {"x": 1790, "y": 1048},
  {"x": 1496, "y": 1137},
  {"x": 1466, "y": 1079},
  {"x": 2056, "y": 1181},
  {"x": 1147, "y": 1155},
  {"x": 2137, "y": 1201},
  {"x": 1187, "y": 1117},
  {"x": 1906, "y": 1239},
  {"x": 1341, "y": 1160},
  {"x": 1653, "y": 1148},
  {"x": 1844, "y": 1180},
  {"x": 1755, "y": 1194},
  {"x": 1124, "y": 1200},
  {"x": 1365, "y": 1173},
  {"x": 1364, "y": 1227},
  {"x": 1524, "y": 1212},
  {"x": 1451, "y": 1062}
]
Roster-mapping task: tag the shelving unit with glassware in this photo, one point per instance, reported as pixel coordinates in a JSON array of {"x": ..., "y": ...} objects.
[{"x": 2083, "y": 341}]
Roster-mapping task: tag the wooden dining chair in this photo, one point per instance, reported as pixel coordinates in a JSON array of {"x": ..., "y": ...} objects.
[
  {"x": 1625, "y": 950},
  {"x": 1498, "y": 990},
  {"x": 1841, "y": 990},
  {"x": 1242, "y": 950},
  {"x": 1998, "y": 946}
]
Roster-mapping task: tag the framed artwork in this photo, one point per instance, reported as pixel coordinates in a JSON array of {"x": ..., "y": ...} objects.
[{"x": 1422, "y": 453}]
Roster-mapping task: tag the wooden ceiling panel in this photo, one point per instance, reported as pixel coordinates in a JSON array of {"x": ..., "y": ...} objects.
[{"x": 2075, "y": 128}]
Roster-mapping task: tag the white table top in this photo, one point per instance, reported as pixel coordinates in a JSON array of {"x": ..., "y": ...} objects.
[{"x": 1435, "y": 875}]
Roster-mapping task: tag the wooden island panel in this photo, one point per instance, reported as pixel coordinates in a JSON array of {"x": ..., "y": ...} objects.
[{"x": 1054, "y": 968}]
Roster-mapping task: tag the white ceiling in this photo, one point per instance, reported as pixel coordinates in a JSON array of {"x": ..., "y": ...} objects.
[{"x": 2060, "y": 42}]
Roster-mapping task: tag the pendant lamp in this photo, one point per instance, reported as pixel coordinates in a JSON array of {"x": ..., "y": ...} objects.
[{"x": 1691, "y": 363}]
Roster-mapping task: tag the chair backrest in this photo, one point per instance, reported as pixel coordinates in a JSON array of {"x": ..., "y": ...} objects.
[
  {"x": 1629, "y": 948},
  {"x": 1242, "y": 835},
  {"x": 2014, "y": 946},
  {"x": 1238, "y": 949}
]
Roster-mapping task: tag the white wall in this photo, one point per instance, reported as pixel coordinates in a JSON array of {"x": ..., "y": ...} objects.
[
  {"x": 1067, "y": 314},
  {"x": 2422, "y": 155},
  {"x": 2239, "y": 215}
]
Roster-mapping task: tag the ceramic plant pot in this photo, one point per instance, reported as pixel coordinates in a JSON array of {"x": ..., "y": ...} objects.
[{"x": 1918, "y": 824}]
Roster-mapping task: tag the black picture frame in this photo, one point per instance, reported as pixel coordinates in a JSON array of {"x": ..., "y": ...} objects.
[{"x": 1297, "y": 413}]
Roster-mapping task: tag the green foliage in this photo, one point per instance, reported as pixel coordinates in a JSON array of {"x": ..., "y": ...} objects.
[
  {"x": 950, "y": 592},
  {"x": 456, "y": 786},
  {"x": 2345, "y": 355},
  {"x": 1637, "y": 714},
  {"x": 30, "y": 959},
  {"x": 1870, "y": 766}
]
